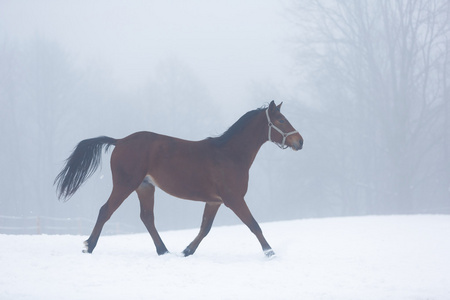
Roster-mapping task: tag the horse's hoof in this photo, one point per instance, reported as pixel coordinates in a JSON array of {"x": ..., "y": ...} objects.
[
  {"x": 86, "y": 247},
  {"x": 269, "y": 253},
  {"x": 187, "y": 252}
]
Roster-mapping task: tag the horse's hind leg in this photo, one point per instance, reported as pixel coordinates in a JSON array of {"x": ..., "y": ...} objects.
[
  {"x": 146, "y": 194},
  {"x": 118, "y": 195},
  {"x": 209, "y": 214}
]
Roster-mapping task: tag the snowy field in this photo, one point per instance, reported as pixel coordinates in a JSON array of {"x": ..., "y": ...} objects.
[{"x": 386, "y": 257}]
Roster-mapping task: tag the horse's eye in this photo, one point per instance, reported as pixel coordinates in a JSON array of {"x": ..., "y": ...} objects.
[{"x": 281, "y": 120}]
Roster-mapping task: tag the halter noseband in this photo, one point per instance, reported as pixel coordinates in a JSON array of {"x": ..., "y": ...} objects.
[{"x": 285, "y": 135}]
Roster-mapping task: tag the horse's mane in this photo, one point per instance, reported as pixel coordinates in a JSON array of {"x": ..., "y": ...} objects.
[{"x": 237, "y": 127}]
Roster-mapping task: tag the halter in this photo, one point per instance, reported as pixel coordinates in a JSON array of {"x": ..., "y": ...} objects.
[{"x": 285, "y": 135}]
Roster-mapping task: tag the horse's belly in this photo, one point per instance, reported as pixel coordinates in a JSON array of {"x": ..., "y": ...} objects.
[{"x": 187, "y": 187}]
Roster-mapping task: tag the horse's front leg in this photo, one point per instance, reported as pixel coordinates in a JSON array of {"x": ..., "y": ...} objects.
[
  {"x": 209, "y": 214},
  {"x": 240, "y": 208}
]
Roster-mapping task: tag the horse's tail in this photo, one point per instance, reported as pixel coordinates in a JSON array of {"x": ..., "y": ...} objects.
[{"x": 81, "y": 164}]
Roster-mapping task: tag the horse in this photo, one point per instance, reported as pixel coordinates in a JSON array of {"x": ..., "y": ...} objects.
[{"x": 214, "y": 170}]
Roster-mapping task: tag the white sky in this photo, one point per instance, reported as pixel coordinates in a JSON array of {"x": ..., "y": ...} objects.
[{"x": 229, "y": 45}]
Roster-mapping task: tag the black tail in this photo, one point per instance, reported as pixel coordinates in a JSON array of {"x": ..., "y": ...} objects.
[{"x": 81, "y": 165}]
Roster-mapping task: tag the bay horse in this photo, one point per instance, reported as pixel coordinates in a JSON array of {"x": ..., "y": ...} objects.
[{"x": 214, "y": 170}]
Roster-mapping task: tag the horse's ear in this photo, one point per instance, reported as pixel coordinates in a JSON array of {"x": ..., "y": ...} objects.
[
  {"x": 279, "y": 106},
  {"x": 272, "y": 105}
]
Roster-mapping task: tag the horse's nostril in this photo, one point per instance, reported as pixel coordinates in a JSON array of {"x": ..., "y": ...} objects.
[{"x": 297, "y": 146}]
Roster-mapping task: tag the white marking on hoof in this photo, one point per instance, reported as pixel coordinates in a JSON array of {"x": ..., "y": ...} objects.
[
  {"x": 269, "y": 253},
  {"x": 86, "y": 247}
]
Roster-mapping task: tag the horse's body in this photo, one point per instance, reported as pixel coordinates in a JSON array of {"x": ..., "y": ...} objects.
[{"x": 214, "y": 170}]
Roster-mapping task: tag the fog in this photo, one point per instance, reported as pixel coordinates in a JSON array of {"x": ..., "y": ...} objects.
[{"x": 366, "y": 84}]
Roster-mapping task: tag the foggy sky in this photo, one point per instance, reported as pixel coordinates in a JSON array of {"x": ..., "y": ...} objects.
[{"x": 229, "y": 45}]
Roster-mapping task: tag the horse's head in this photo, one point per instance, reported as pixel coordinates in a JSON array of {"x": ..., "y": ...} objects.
[{"x": 281, "y": 131}]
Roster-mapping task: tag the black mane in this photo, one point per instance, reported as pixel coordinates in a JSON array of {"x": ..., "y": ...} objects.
[{"x": 237, "y": 127}]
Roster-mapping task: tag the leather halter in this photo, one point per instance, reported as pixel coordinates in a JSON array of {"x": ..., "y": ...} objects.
[{"x": 284, "y": 135}]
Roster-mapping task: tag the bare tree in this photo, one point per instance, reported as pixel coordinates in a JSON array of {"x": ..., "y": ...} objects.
[{"x": 380, "y": 70}]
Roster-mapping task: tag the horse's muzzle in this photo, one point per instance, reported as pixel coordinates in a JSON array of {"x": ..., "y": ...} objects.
[{"x": 297, "y": 145}]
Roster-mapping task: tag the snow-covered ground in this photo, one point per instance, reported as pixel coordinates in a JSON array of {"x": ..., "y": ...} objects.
[{"x": 385, "y": 257}]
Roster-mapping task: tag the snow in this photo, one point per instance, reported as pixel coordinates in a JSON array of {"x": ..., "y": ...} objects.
[{"x": 379, "y": 257}]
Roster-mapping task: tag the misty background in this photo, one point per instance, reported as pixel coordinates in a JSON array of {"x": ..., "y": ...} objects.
[{"x": 366, "y": 83}]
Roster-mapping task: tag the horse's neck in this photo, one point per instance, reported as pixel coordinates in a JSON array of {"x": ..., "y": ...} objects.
[{"x": 246, "y": 144}]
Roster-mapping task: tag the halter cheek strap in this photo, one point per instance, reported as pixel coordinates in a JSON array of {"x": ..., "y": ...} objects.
[{"x": 284, "y": 135}]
